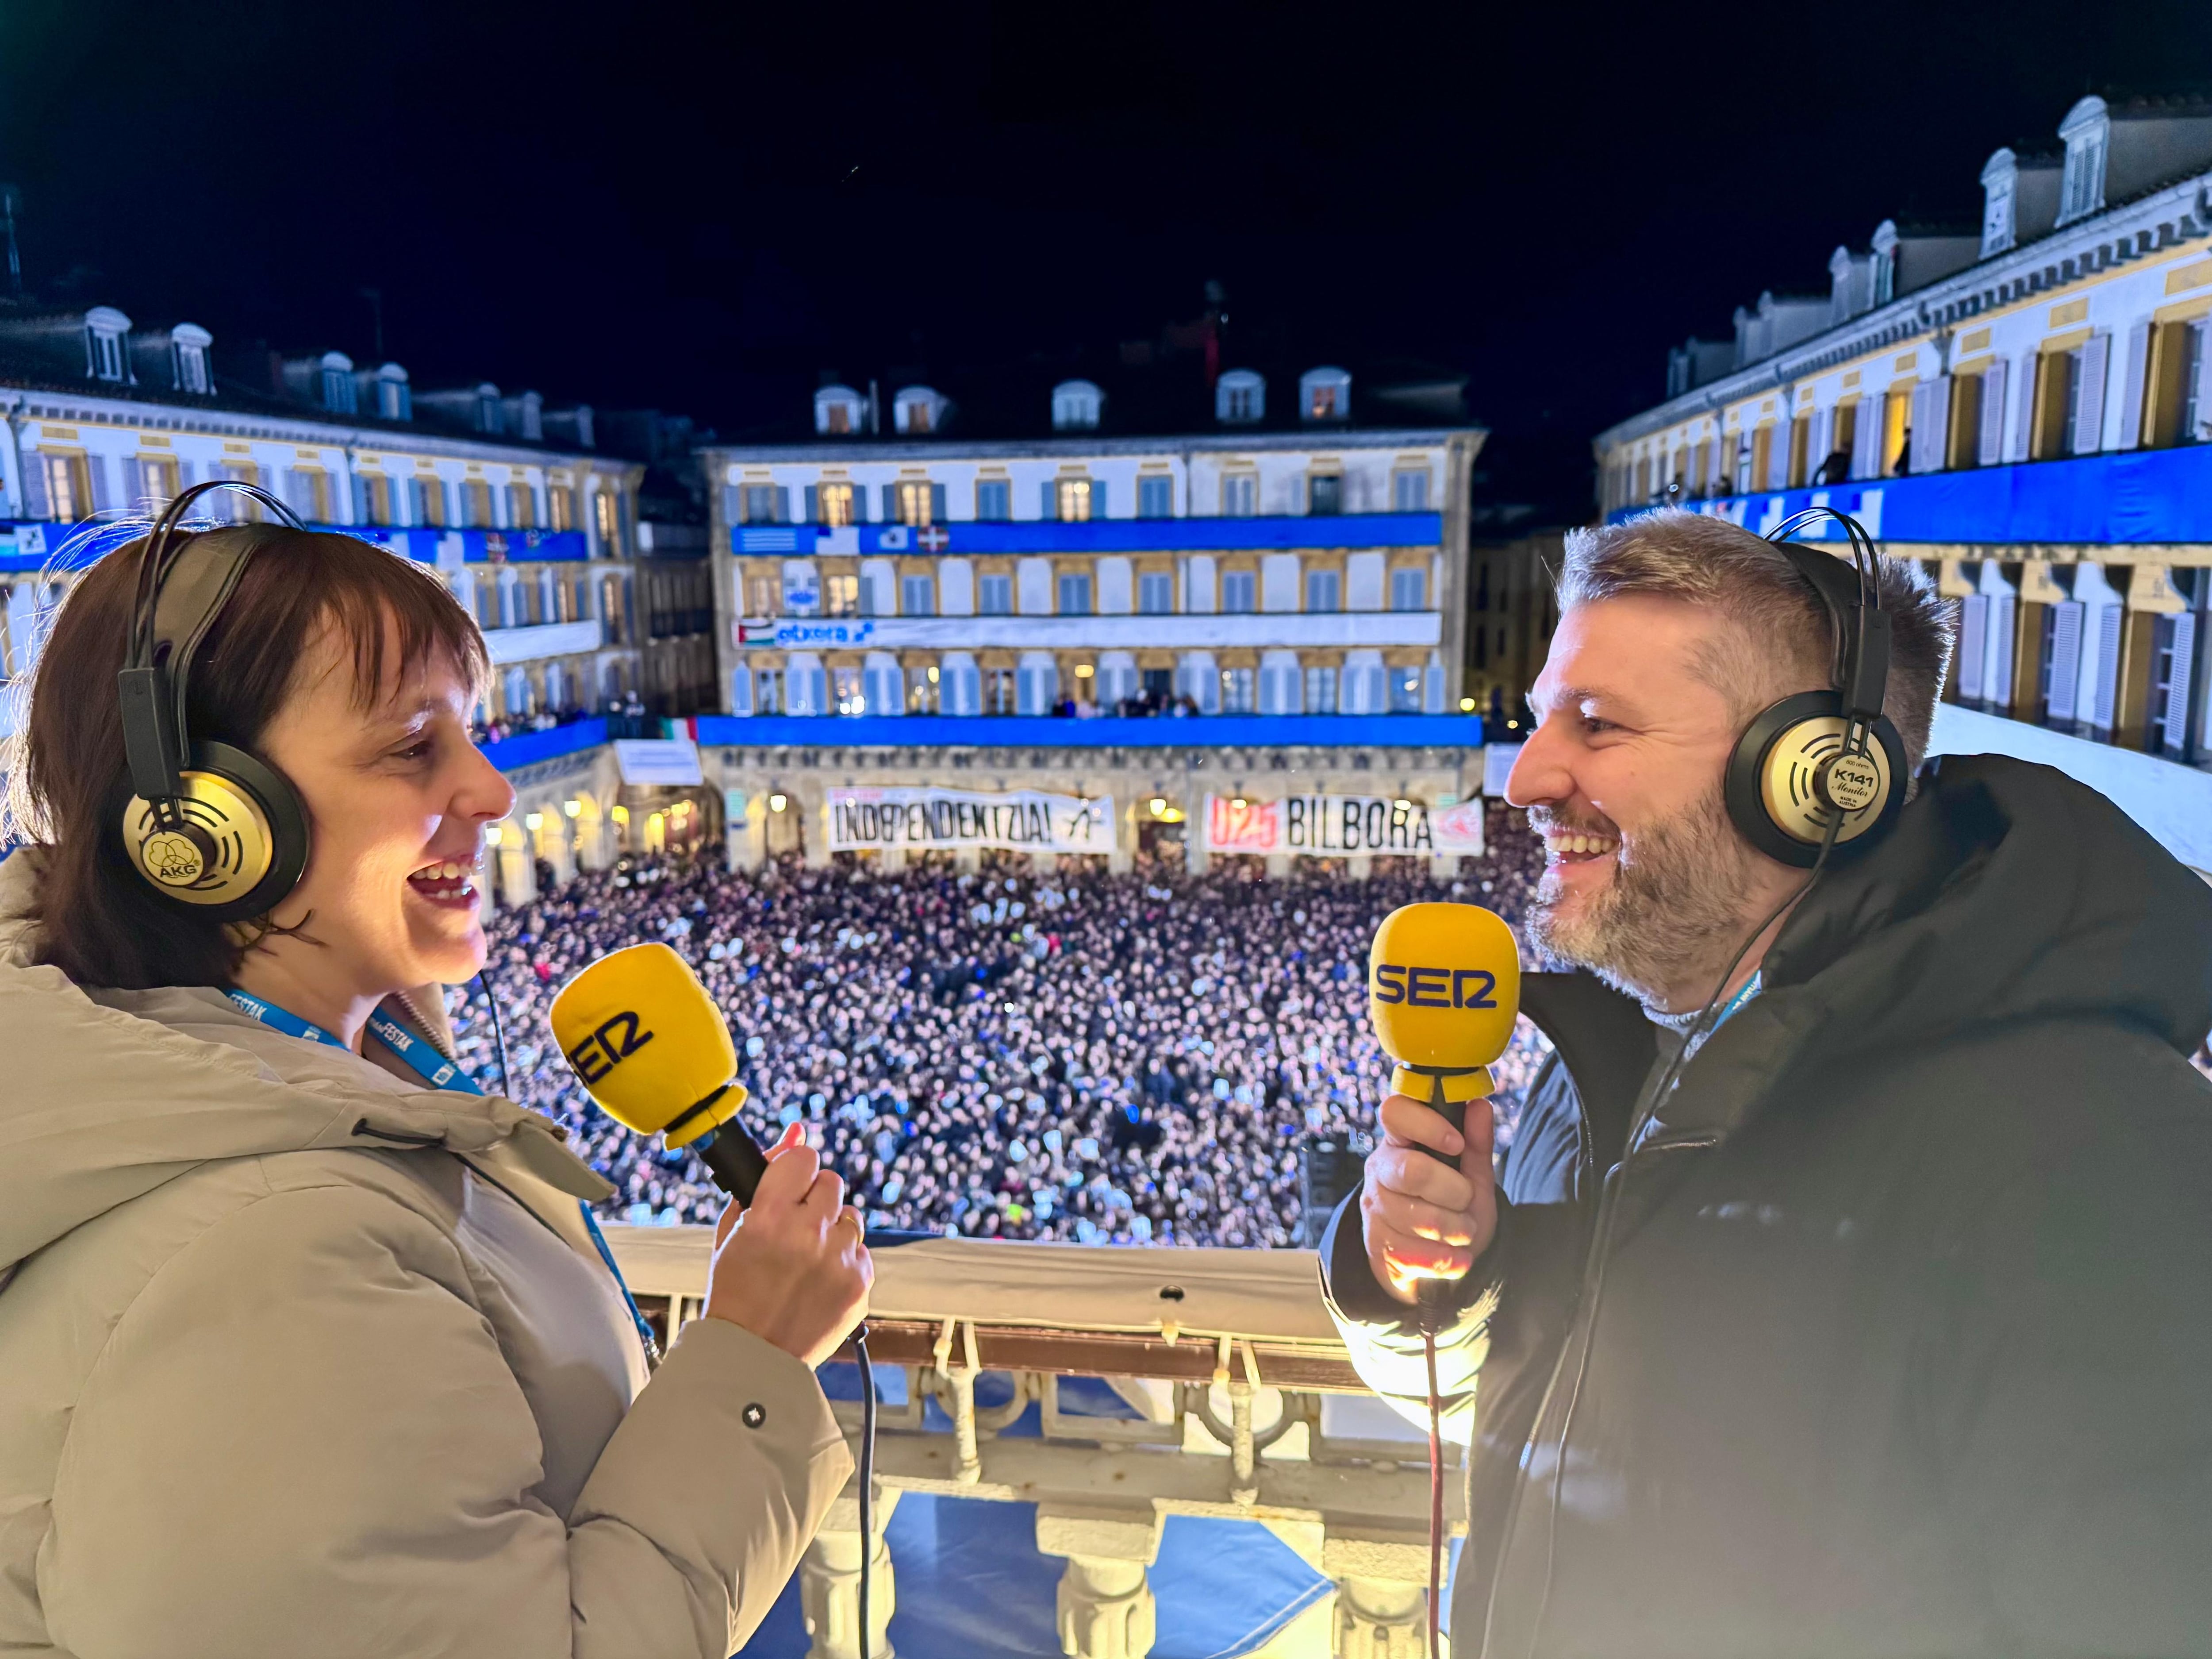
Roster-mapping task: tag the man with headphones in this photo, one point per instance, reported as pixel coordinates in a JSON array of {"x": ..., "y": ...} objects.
[{"x": 1852, "y": 1293}]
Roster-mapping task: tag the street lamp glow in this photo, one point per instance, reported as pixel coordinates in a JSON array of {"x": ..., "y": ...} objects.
[{"x": 777, "y": 804}]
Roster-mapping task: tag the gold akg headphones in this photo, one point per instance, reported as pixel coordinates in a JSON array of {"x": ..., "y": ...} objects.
[
  {"x": 1825, "y": 769},
  {"x": 209, "y": 826}
]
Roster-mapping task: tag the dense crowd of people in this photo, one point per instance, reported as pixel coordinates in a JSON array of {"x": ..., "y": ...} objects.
[{"x": 1004, "y": 1052}]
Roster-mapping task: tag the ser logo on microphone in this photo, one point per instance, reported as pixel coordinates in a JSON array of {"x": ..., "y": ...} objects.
[
  {"x": 614, "y": 1042},
  {"x": 1435, "y": 987}
]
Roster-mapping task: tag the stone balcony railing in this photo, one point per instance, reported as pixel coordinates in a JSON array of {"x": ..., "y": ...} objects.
[{"x": 1245, "y": 1406}]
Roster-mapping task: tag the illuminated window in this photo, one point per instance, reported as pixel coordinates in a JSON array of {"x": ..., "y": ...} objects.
[
  {"x": 1071, "y": 500},
  {"x": 833, "y": 503},
  {"x": 69, "y": 490},
  {"x": 607, "y": 512},
  {"x": 1324, "y": 394},
  {"x": 426, "y": 501},
  {"x": 562, "y": 504},
  {"x": 764, "y": 596},
  {"x": 1237, "y": 691},
  {"x": 840, "y": 596},
  {"x": 522, "y": 506},
  {"x": 372, "y": 497},
  {"x": 310, "y": 494},
  {"x": 917, "y": 500}
]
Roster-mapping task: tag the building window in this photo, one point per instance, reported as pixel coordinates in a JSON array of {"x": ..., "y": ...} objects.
[
  {"x": 762, "y": 595},
  {"x": 839, "y": 411},
  {"x": 192, "y": 367},
  {"x": 1075, "y": 407},
  {"x": 1323, "y": 590},
  {"x": 1155, "y": 497},
  {"x": 763, "y": 503},
  {"x": 1239, "y": 592},
  {"x": 833, "y": 505},
  {"x": 1321, "y": 691},
  {"x": 1409, "y": 492},
  {"x": 1324, "y": 394},
  {"x": 310, "y": 494},
  {"x": 608, "y": 513},
  {"x": 1156, "y": 593},
  {"x": 476, "y": 504},
  {"x": 1239, "y": 397},
  {"x": 1409, "y": 590},
  {"x": 69, "y": 493},
  {"x": 995, "y": 595},
  {"x": 1324, "y": 493},
  {"x": 103, "y": 354},
  {"x": 372, "y": 493},
  {"x": 2193, "y": 414},
  {"x": 1240, "y": 495},
  {"x": 1405, "y": 690},
  {"x": 917, "y": 597},
  {"x": 1237, "y": 691},
  {"x": 919, "y": 502},
  {"x": 1074, "y": 594},
  {"x": 1073, "y": 502},
  {"x": 917, "y": 410},
  {"x": 426, "y": 502},
  {"x": 561, "y": 508},
  {"x": 995, "y": 501},
  {"x": 338, "y": 386},
  {"x": 850, "y": 691},
  {"x": 521, "y": 507},
  {"x": 840, "y": 596}
]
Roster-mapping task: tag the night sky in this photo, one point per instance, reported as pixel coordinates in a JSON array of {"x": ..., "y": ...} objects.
[{"x": 704, "y": 208}]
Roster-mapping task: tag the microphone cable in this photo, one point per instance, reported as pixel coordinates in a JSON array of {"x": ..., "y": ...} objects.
[
  {"x": 1435, "y": 1480},
  {"x": 498, "y": 1033},
  {"x": 867, "y": 1478}
]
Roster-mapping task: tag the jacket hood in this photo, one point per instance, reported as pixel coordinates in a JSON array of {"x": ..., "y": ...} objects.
[
  {"x": 2005, "y": 893},
  {"x": 111, "y": 1094}
]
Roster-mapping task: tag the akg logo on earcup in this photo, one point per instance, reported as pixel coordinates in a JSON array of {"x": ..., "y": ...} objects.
[{"x": 172, "y": 859}]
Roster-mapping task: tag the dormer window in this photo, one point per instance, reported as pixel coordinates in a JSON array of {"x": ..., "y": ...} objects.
[
  {"x": 337, "y": 395},
  {"x": 1885, "y": 262},
  {"x": 489, "y": 418},
  {"x": 188, "y": 359},
  {"x": 1075, "y": 407},
  {"x": 104, "y": 331},
  {"x": 1324, "y": 394},
  {"x": 395, "y": 400},
  {"x": 1240, "y": 398},
  {"x": 917, "y": 410},
  {"x": 839, "y": 412},
  {"x": 2087, "y": 132}
]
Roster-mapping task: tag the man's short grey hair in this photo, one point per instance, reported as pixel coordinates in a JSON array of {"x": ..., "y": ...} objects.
[{"x": 1707, "y": 561}]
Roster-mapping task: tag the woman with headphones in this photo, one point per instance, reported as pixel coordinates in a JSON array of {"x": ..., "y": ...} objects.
[{"x": 307, "y": 1345}]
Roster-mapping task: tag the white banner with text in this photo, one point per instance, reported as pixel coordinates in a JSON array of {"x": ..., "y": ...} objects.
[
  {"x": 1338, "y": 826},
  {"x": 1024, "y": 821}
]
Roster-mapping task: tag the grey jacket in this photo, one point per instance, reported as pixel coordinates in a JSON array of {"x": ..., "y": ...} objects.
[{"x": 298, "y": 1357}]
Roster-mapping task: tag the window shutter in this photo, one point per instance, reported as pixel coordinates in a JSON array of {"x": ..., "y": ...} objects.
[
  {"x": 2065, "y": 657},
  {"x": 360, "y": 499},
  {"x": 783, "y": 504},
  {"x": 2032, "y": 371},
  {"x": 2131, "y": 390},
  {"x": 35, "y": 503},
  {"x": 103, "y": 482},
  {"x": 2108, "y": 667},
  {"x": 2178, "y": 681},
  {"x": 890, "y": 504},
  {"x": 733, "y": 503},
  {"x": 2203, "y": 384},
  {"x": 814, "y": 504},
  {"x": 1866, "y": 438},
  {"x": 1994, "y": 380},
  {"x": 2089, "y": 424},
  {"x": 1973, "y": 623},
  {"x": 1050, "y": 507},
  {"x": 1997, "y": 676},
  {"x": 1098, "y": 498},
  {"x": 937, "y": 503}
]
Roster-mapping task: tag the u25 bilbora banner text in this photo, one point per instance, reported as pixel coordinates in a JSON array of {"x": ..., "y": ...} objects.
[
  {"x": 1024, "y": 821},
  {"x": 1337, "y": 826}
]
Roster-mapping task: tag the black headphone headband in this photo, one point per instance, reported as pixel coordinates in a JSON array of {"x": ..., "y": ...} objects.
[{"x": 1853, "y": 600}]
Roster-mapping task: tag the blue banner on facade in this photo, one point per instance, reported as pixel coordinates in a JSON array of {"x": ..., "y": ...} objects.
[
  {"x": 2138, "y": 496},
  {"x": 1098, "y": 535}
]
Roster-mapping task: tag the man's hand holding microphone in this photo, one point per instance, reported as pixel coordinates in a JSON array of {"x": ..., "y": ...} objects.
[
  {"x": 790, "y": 1261},
  {"x": 1444, "y": 987}
]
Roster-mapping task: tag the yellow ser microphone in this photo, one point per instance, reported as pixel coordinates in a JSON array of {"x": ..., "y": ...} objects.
[
  {"x": 652, "y": 1048},
  {"x": 1444, "y": 987}
]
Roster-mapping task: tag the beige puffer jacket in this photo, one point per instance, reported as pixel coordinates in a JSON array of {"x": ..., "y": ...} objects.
[{"x": 298, "y": 1357}]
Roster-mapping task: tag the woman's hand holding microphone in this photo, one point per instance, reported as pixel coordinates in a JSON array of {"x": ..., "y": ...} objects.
[{"x": 791, "y": 1267}]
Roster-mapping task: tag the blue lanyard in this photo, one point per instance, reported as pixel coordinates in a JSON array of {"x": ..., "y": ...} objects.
[
  {"x": 438, "y": 1072},
  {"x": 1749, "y": 989}
]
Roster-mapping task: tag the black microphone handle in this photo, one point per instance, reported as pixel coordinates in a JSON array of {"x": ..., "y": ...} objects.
[
  {"x": 1453, "y": 1112},
  {"x": 734, "y": 1158}
]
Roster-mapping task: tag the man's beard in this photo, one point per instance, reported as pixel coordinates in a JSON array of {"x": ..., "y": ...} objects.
[{"x": 1675, "y": 906}]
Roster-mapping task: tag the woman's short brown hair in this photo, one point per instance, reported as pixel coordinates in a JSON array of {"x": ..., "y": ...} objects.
[{"x": 101, "y": 922}]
